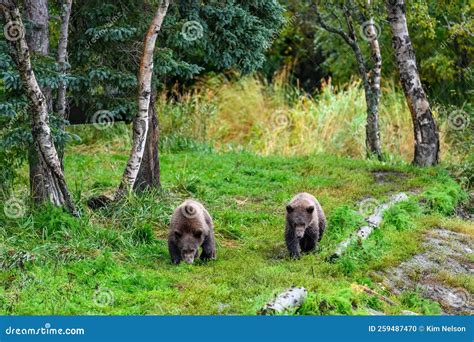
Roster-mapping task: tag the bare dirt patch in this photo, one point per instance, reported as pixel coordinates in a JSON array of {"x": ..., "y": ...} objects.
[{"x": 388, "y": 176}]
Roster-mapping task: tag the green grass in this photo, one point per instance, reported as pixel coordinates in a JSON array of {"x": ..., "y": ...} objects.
[{"x": 115, "y": 261}]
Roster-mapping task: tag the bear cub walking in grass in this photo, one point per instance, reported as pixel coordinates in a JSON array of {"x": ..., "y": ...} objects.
[
  {"x": 191, "y": 227},
  {"x": 305, "y": 224}
]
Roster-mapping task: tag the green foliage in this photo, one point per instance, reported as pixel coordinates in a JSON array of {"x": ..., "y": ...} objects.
[
  {"x": 414, "y": 302},
  {"x": 343, "y": 221},
  {"x": 401, "y": 216},
  {"x": 443, "y": 199},
  {"x": 229, "y": 36},
  {"x": 339, "y": 303},
  {"x": 440, "y": 32}
]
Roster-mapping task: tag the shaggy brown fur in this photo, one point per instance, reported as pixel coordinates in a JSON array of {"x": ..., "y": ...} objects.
[
  {"x": 305, "y": 224},
  {"x": 191, "y": 227}
]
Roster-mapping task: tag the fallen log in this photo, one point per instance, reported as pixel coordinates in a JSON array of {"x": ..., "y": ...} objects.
[
  {"x": 373, "y": 222},
  {"x": 291, "y": 298}
]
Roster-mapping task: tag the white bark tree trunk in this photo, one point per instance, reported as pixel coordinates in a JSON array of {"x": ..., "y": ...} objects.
[
  {"x": 373, "y": 142},
  {"x": 53, "y": 183},
  {"x": 62, "y": 55},
  {"x": 424, "y": 126},
  {"x": 140, "y": 122},
  {"x": 149, "y": 174},
  {"x": 37, "y": 38},
  {"x": 372, "y": 96}
]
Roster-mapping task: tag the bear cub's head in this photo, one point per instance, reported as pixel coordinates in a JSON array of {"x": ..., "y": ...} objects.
[
  {"x": 299, "y": 217},
  {"x": 188, "y": 243}
]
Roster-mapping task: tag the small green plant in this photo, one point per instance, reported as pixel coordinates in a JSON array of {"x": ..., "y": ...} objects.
[
  {"x": 414, "y": 302},
  {"x": 342, "y": 221},
  {"x": 340, "y": 302},
  {"x": 443, "y": 199},
  {"x": 401, "y": 216}
]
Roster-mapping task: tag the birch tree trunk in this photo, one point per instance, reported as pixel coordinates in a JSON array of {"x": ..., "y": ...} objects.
[
  {"x": 149, "y": 174},
  {"x": 372, "y": 97},
  {"x": 38, "y": 43},
  {"x": 140, "y": 122},
  {"x": 52, "y": 184},
  {"x": 62, "y": 56},
  {"x": 424, "y": 126}
]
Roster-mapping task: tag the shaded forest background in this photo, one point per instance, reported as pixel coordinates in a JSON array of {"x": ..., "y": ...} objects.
[{"x": 305, "y": 82}]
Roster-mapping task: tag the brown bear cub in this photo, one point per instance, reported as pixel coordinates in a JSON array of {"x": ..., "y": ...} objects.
[
  {"x": 190, "y": 228},
  {"x": 305, "y": 224}
]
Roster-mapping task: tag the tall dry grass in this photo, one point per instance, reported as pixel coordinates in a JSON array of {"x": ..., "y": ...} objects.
[{"x": 277, "y": 119}]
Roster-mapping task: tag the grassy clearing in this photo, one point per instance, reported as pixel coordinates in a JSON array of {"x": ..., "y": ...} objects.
[{"x": 115, "y": 261}]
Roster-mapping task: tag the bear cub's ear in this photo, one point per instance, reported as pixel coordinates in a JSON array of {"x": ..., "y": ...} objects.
[
  {"x": 310, "y": 209},
  {"x": 289, "y": 208}
]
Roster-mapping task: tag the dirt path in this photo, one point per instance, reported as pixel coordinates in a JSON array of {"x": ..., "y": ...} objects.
[{"x": 447, "y": 256}]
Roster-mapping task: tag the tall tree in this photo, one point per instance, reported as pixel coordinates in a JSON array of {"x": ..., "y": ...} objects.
[
  {"x": 424, "y": 125},
  {"x": 52, "y": 183},
  {"x": 62, "y": 55},
  {"x": 370, "y": 74},
  {"x": 37, "y": 37},
  {"x": 149, "y": 174},
  {"x": 140, "y": 122}
]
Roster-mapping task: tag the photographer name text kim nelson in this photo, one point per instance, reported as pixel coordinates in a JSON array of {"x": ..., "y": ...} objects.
[{"x": 444, "y": 328}]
